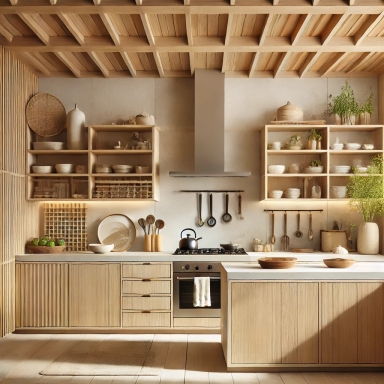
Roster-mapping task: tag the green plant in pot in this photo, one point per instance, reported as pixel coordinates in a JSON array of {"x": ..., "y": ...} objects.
[
  {"x": 314, "y": 140},
  {"x": 366, "y": 110},
  {"x": 367, "y": 197},
  {"x": 294, "y": 143},
  {"x": 315, "y": 167},
  {"x": 343, "y": 106}
]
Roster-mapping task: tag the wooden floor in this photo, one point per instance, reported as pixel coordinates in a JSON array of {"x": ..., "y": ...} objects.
[{"x": 190, "y": 359}]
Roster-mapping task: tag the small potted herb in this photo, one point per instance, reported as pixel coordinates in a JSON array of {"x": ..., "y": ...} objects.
[
  {"x": 365, "y": 111},
  {"x": 294, "y": 143},
  {"x": 314, "y": 140},
  {"x": 315, "y": 167}
]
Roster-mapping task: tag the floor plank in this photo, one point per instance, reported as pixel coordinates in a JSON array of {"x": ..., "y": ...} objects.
[
  {"x": 102, "y": 380},
  {"x": 315, "y": 378},
  {"x": 292, "y": 378},
  {"x": 361, "y": 378},
  {"x": 377, "y": 376},
  {"x": 174, "y": 367},
  {"x": 55, "y": 379},
  {"x": 338, "y": 378},
  {"x": 82, "y": 379},
  {"x": 124, "y": 380},
  {"x": 197, "y": 368},
  {"x": 244, "y": 378},
  {"x": 269, "y": 378}
]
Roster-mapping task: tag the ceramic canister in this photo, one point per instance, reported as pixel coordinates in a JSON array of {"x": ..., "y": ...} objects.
[{"x": 76, "y": 138}]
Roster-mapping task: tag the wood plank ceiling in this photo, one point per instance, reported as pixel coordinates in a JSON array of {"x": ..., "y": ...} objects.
[{"x": 171, "y": 38}]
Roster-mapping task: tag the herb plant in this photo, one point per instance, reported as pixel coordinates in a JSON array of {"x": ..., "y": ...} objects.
[
  {"x": 316, "y": 163},
  {"x": 315, "y": 135},
  {"x": 367, "y": 105},
  {"x": 366, "y": 192}
]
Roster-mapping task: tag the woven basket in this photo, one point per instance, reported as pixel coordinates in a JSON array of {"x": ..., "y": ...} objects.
[
  {"x": 46, "y": 115},
  {"x": 45, "y": 249}
]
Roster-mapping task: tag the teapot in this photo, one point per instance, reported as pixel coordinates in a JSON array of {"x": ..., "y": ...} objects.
[{"x": 188, "y": 243}]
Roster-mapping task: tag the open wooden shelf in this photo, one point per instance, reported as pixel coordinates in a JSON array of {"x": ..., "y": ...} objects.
[
  {"x": 362, "y": 134},
  {"x": 100, "y": 138}
]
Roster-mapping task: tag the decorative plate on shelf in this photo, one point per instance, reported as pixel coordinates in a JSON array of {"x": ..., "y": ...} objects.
[{"x": 119, "y": 230}]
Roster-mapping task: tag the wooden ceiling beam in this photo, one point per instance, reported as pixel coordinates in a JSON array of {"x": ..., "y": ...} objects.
[
  {"x": 66, "y": 61},
  {"x": 367, "y": 28},
  {"x": 315, "y": 2},
  {"x": 365, "y": 57},
  {"x": 53, "y": 2},
  {"x": 300, "y": 28},
  {"x": 331, "y": 64},
  {"x": 275, "y": 2},
  {"x": 311, "y": 59},
  {"x": 13, "y": 2},
  {"x": 69, "y": 23},
  {"x": 106, "y": 19},
  {"x": 226, "y": 42},
  {"x": 99, "y": 63},
  {"x": 188, "y": 24},
  {"x": 36, "y": 28},
  {"x": 280, "y": 64},
  {"x": 187, "y": 2},
  {"x": 148, "y": 29},
  {"x": 97, "y": 2},
  {"x": 8, "y": 35},
  {"x": 128, "y": 63},
  {"x": 255, "y": 61},
  {"x": 266, "y": 27},
  {"x": 159, "y": 64},
  {"x": 332, "y": 27},
  {"x": 192, "y": 62},
  {"x": 232, "y": 2},
  {"x": 32, "y": 60}
]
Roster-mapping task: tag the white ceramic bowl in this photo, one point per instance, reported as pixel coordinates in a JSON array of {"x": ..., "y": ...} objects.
[
  {"x": 361, "y": 169},
  {"x": 123, "y": 168},
  {"x": 314, "y": 169},
  {"x": 368, "y": 147},
  {"x": 140, "y": 169},
  {"x": 337, "y": 146},
  {"x": 352, "y": 146},
  {"x": 276, "y": 169},
  {"x": 338, "y": 192},
  {"x": 42, "y": 169},
  {"x": 64, "y": 168},
  {"x": 276, "y": 194},
  {"x": 48, "y": 145},
  {"x": 101, "y": 248}
]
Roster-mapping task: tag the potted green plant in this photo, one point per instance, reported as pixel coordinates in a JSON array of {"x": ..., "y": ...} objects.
[
  {"x": 365, "y": 111},
  {"x": 315, "y": 167},
  {"x": 294, "y": 143},
  {"x": 344, "y": 106},
  {"x": 314, "y": 140},
  {"x": 366, "y": 194}
]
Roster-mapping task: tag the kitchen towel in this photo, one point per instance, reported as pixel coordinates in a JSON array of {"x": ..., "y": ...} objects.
[{"x": 202, "y": 292}]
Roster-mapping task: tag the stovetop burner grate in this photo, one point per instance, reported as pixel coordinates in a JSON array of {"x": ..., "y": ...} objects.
[{"x": 210, "y": 251}]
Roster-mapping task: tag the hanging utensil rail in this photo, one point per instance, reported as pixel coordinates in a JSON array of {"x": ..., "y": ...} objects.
[
  {"x": 211, "y": 191},
  {"x": 293, "y": 210}
]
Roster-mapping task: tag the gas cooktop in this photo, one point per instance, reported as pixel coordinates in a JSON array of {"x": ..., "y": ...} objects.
[{"x": 210, "y": 251}]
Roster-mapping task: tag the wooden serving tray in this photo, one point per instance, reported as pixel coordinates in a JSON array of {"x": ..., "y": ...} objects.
[
  {"x": 306, "y": 122},
  {"x": 302, "y": 250},
  {"x": 277, "y": 262},
  {"x": 339, "y": 263}
]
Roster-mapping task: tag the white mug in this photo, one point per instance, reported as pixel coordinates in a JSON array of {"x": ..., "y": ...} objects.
[{"x": 276, "y": 145}]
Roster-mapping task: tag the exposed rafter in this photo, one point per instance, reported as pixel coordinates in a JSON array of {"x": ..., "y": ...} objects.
[
  {"x": 66, "y": 61},
  {"x": 97, "y": 2},
  {"x": 36, "y": 27},
  {"x": 35, "y": 62},
  {"x": 13, "y": 2},
  {"x": 139, "y": 2},
  {"x": 266, "y": 27},
  {"x": 367, "y": 28},
  {"x": 280, "y": 64},
  {"x": 8, "y": 35},
  {"x": 53, "y": 2},
  {"x": 255, "y": 61},
  {"x": 110, "y": 27},
  {"x": 188, "y": 25},
  {"x": 147, "y": 28},
  {"x": 365, "y": 57},
  {"x": 275, "y": 2},
  {"x": 332, "y": 27},
  {"x": 70, "y": 24},
  {"x": 315, "y": 2},
  {"x": 299, "y": 29},
  {"x": 187, "y": 2},
  {"x": 99, "y": 63},
  {"x": 311, "y": 59},
  {"x": 226, "y": 42},
  {"x": 159, "y": 65},
  {"x": 329, "y": 65},
  {"x": 129, "y": 63},
  {"x": 192, "y": 62}
]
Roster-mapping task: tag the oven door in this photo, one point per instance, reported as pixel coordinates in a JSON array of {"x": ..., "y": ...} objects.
[{"x": 183, "y": 285}]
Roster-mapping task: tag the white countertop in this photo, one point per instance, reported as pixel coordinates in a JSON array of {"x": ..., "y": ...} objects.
[
  {"x": 305, "y": 271},
  {"x": 167, "y": 256}
]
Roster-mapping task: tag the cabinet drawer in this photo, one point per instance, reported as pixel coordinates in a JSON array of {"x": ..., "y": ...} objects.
[
  {"x": 147, "y": 271},
  {"x": 146, "y": 287},
  {"x": 147, "y": 303},
  {"x": 146, "y": 319}
]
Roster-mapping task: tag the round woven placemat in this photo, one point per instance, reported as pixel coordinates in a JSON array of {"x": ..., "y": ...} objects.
[{"x": 46, "y": 115}]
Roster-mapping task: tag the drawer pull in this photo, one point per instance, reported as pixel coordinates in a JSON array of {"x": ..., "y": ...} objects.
[
  {"x": 146, "y": 280},
  {"x": 145, "y": 311},
  {"x": 146, "y": 296},
  {"x": 146, "y": 263}
]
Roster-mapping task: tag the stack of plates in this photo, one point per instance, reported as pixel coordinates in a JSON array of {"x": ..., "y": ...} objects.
[
  {"x": 103, "y": 168},
  {"x": 276, "y": 194},
  {"x": 352, "y": 146},
  {"x": 42, "y": 169},
  {"x": 48, "y": 145},
  {"x": 338, "y": 192},
  {"x": 339, "y": 169},
  {"x": 122, "y": 168},
  {"x": 292, "y": 193}
]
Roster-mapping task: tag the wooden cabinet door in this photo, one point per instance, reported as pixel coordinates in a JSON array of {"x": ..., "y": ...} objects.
[
  {"x": 95, "y": 295},
  {"x": 274, "y": 323},
  {"x": 352, "y": 318}
]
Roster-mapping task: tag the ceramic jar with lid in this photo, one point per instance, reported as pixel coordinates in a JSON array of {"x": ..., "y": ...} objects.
[{"x": 289, "y": 112}]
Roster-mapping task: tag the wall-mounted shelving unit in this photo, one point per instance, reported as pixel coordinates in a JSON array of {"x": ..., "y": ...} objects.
[
  {"x": 101, "y": 140},
  {"x": 362, "y": 134}
]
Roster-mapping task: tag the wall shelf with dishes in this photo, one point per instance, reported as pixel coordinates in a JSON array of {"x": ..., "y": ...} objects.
[
  {"x": 121, "y": 163},
  {"x": 304, "y": 162}
]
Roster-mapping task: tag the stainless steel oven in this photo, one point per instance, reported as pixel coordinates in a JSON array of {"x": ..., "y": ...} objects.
[{"x": 183, "y": 285}]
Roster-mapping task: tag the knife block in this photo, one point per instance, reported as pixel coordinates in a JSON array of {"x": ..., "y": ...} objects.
[
  {"x": 148, "y": 243},
  {"x": 158, "y": 243}
]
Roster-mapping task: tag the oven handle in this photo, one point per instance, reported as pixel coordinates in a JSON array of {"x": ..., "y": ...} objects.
[{"x": 191, "y": 278}]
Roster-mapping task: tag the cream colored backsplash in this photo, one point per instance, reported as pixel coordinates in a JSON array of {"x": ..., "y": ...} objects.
[{"x": 250, "y": 104}]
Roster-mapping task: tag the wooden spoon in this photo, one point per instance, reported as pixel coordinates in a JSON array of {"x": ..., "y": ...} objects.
[
  {"x": 160, "y": 225},
  {"x": 310, "y": 232},
  {"x": 150, "y": 220},
  {"x": 142, "y": 225}
]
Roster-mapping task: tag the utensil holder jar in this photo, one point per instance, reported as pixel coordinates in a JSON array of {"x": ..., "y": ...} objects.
[
  {"x": 158, "y": 243},
  {"x": 148, "y": 243}
]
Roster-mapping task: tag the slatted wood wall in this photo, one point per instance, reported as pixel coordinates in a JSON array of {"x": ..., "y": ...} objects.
[{"x": 18, "y": 218}]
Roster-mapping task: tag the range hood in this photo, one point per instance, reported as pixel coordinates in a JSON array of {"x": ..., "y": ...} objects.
[{"x": 209, "y": 127}]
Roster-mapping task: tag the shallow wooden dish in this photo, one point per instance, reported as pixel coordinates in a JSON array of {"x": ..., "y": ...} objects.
[
  {"x": 302, "y": 250},
  {"x": 45, "y": 249},
  {"x": 339, "y": 263},
  {"x": 277, "y": 262}
]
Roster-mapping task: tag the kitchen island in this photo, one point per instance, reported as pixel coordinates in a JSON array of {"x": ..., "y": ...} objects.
[{"x": 308, "y": 317}]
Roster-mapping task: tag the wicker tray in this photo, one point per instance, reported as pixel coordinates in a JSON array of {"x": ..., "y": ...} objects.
[
  {"x": 45, "y": 249},
  {"x": 46, "y": 115}
]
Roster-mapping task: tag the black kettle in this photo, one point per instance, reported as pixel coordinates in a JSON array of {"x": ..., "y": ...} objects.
[{"x": 188, "y": 243}]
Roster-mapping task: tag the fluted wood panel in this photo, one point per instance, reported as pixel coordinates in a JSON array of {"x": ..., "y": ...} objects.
[
  {"x": 42, "y": 295},
  {"x": 18, "y": 218}
]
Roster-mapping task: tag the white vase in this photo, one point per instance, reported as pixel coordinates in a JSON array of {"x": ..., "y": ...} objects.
[
  {"x": 76, "y": 138},
  {"x": 368, "y": 239}
]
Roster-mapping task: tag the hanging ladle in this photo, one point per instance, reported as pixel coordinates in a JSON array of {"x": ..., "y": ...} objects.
[
  {"x": 226, "y": 217},
  {"x": 200, "y": 221},
  {"x": 298, "y": 233},
  {"x": 211, "y": 221}
]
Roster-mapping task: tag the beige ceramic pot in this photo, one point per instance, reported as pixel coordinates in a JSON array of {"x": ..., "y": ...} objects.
[
  {"x": 368, "y": 239},
  {"x": 365, "y": 118},
  {"x": 289, "y": 112}
]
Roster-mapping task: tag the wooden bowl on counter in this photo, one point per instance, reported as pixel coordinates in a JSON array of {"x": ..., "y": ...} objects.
[
  {"x": 45, "y": 249},
  {"x": 339, "y": 263},
  {"x": 277, "y": 262}
]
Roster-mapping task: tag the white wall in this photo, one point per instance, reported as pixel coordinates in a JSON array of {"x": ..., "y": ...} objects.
[{"x": 250, "y": 104}]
